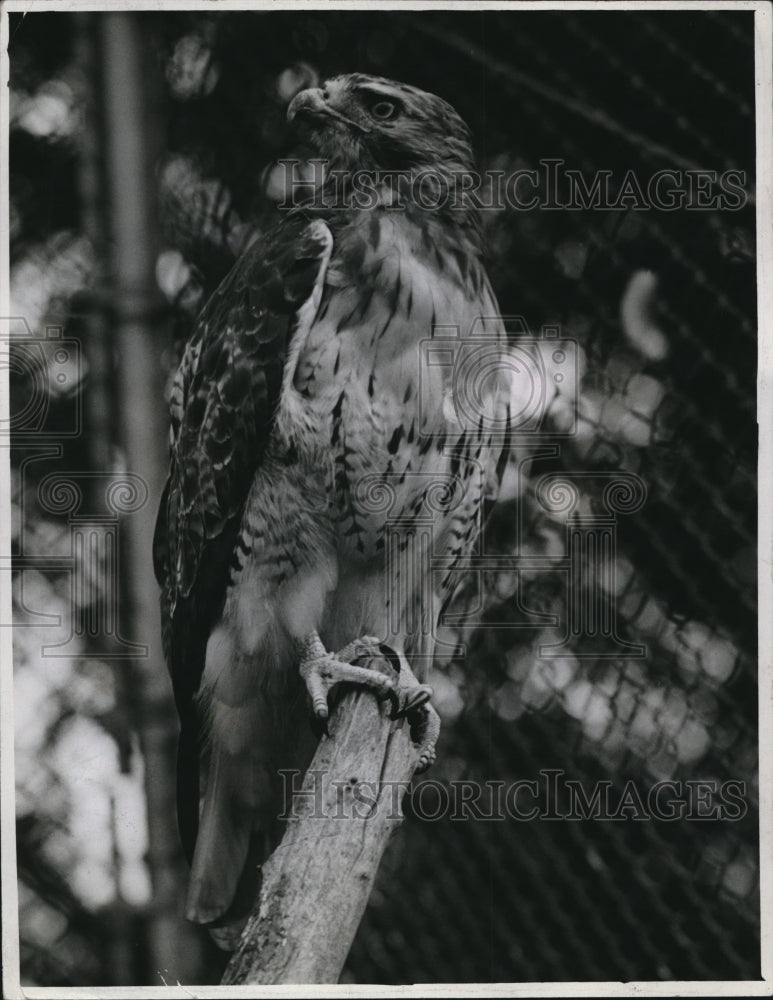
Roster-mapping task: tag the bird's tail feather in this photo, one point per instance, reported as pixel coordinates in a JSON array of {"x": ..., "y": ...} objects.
[
  {"x": 232, "y": 830},
  {"x": 243, "y": 798}
]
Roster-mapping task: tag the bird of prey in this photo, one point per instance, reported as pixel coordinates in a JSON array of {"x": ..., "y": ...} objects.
[{"x": 309, "y": 440}]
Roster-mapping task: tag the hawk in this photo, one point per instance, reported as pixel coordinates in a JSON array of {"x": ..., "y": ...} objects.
[{"x": 310, "y": 442}]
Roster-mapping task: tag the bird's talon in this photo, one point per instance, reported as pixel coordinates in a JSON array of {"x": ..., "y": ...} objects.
[
  {"x": 425, "y": 730},
  {"x": 322, "y": 671},
  {"x": 426, "y": 760},
  {"x": 391, "y": 655},
  {"x": 411, "y": 699},
  {"x": 394, "y": 702}
]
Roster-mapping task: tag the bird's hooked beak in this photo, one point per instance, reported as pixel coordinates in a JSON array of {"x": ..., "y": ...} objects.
[{"x": 312, "y": 102}]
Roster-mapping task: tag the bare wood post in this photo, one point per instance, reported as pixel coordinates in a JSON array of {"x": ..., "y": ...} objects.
[{"x": 316, "y": 884}]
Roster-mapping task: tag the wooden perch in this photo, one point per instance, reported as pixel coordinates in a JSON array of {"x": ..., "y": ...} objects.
[{"x": 317, "y": 882}]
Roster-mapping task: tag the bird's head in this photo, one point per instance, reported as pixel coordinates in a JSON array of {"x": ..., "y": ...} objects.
[{"x": 368, "y": 122}]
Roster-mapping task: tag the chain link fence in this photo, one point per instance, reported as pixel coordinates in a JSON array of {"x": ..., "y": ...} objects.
[
  {"x": 628, "y": 846},
  {"x": 661, "y": 308}
]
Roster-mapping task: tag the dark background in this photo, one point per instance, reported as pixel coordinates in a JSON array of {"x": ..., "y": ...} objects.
[{"x": 454, "y": 901}]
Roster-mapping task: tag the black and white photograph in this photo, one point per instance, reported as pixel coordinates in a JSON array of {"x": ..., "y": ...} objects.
[{"x": 384, "y": 394}]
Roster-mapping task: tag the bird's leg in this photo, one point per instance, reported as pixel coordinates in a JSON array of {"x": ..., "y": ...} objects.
[
  {"x": 413, "y": 700},
  {"x": 410, "y": 694},
  {"x": 321, "y": 670},
  {"x": 425, "y": 730},
  {"x": 422, "y": 718}
]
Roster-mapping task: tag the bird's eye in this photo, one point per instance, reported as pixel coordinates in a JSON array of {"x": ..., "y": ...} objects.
[{"x": 384, "y": 110}]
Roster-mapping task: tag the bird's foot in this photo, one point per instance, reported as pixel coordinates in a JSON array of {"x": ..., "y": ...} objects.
[
  {"x": 322, "y": 670},
  {"x": 414, "y": 704},
  {"x": 410, "y": 694},
  {"x": 425, "y": 730},
  {"x": 408, "y": 697}
]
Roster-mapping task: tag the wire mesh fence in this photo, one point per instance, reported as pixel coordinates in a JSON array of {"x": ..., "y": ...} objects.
[
  {"x": 608, "y": 829},
  {"x": 637, "y": 896}
]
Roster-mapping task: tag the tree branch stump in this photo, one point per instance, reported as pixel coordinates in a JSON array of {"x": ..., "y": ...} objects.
[{"x": 317, "y": 882}]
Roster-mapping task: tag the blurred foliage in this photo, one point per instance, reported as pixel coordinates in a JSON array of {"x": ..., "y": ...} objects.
[{"x": 661, "y": 308}]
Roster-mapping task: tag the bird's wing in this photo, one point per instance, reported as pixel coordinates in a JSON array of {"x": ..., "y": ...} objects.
[{"x": 223, "y": 405}]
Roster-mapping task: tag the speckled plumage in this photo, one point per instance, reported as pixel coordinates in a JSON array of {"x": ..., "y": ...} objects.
[{"x": 301, "y": 404}]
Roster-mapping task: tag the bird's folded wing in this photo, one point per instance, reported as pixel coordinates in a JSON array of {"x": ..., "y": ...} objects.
[{"x": 223, "y": 405}]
